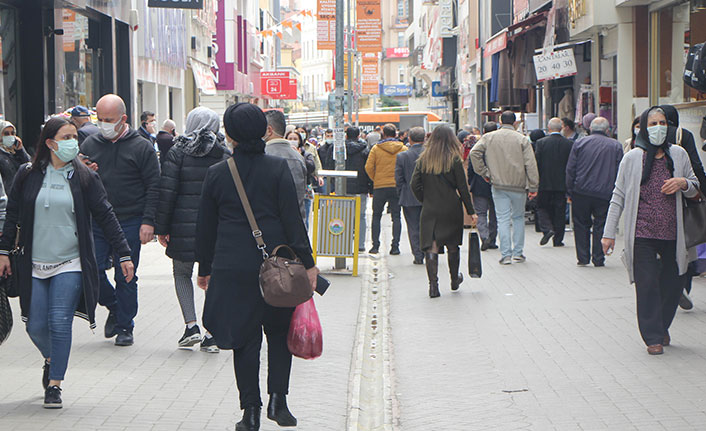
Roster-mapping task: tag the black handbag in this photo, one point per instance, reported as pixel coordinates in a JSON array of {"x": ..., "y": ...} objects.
[
  {"x": 5, "y": 315},
  {"x": 11, "y": 283},
  {"x": 475, "y": 267},
  {"x": 694, "y": 222}
]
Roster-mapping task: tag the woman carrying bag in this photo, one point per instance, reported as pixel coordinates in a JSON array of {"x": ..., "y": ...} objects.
[
  {"x": 50, "y": 206},
  {"x": 229, "y": 262},
  {"x": 439, "y": 183},
  {"x": 653, "y": 179}
]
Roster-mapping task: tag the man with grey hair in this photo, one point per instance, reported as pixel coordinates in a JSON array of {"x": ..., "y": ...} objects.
[
  {"x": 590, "y": 178},
  {"x": 129, "y": 169},
  {"x": 411, "y": 207},
  {"x": 552, "y": 154}
]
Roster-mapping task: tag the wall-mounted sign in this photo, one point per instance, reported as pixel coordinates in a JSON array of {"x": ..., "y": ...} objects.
[
  {"x": 437, "y": 90},
  {"x": 446, "y": 18},
  {"x": 278, "y": 85},
  {"x": 396, "y": 90},
  {"x": 369, "y": 26},
  {"x": 326, "y": 24},
  {"x": 223, "y": 61},
  {"x": 496, "y": 44},
  {"x": 176, "y": 4},
  {"x": 397, "y": 52},
  {"x": 554, "y": 65}
]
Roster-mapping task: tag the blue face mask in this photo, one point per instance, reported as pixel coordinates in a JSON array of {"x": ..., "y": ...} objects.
[{"x": 67, "y": 151}]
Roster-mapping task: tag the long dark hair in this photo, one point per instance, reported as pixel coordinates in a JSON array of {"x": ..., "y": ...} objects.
[
  {"x": 643, "y": 141},
  {"x": 43, "y": 155},
  {"x": 299, "y": 138}
]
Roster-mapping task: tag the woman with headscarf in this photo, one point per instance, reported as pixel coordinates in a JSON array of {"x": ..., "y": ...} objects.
[
  {"x": 652, "y": 180},
  {"x": 229, "y": 262},
  {"x": 629, "y": 143},
  {"x": 12, "y": 154},
  {"x": 183, "y": 172}
]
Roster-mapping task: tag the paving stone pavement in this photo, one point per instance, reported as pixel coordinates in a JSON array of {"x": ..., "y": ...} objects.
[
  {"x": 154, "y": 386},
  {"x": 541, "y": 345}
]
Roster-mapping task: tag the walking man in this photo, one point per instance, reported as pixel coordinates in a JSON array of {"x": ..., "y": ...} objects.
[
  {"x": 505, "y": 159},
  {"x": 483, "y": 201},
  {"x": 276, "y": 145},
  {"x": 590, "y": 178},
  {"x": 381, "y": 170},
  {"x": 129, "y": 170},
  {"x": 412, "y": 208},
  {"x": 552, "y": 156},
  {"x": 81, "y": 118},
  {"x": 148, "y": 126}
]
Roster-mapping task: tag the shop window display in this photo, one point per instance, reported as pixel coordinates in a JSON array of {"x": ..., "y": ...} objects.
[{"x": 81, "y": 61}]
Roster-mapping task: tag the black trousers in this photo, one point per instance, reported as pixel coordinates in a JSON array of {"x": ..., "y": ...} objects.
[
  {"x": 389, "y": 196},
  {"x": 589, "y": 215},
  {"x": 658, "y": 287},
  {"x": 551, "y": 212},
  {"x": 412, "y": 216},
  {"x": 279, "y": 360}
]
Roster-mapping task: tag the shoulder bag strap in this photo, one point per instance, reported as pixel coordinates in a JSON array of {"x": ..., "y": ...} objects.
[{"x": 256, "y": 232}]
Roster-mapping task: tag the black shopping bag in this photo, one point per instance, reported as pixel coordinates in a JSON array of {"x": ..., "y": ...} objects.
[
  {"x": 5, "y": 315},
  {"x": 475, "y": 268}
]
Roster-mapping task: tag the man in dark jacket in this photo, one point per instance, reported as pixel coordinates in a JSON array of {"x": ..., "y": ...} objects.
[
  {"x": 129, "y": 170},
  {"x": 411, "y": 207},
  {"x": 81, "y": 118},
  {"x": 148, "y": 126},
  {"x": 590, "y": 178},
  {"x": 165, "y": 139},
  {"x": 356, "y": 156},
  {"x": 483, "y": 205},
  {"x": 552, "y": 154},
  {"x": 568, "y": 129}
]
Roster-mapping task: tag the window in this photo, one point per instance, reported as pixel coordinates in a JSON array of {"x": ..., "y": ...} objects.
[
  {"x": 401, "y": 74},
  {"x": 402, "y": 9},
  {"x": 400, "y": 39}
]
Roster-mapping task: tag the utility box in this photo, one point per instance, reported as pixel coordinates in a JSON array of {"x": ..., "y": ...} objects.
[{"x": 335, "y": 228}]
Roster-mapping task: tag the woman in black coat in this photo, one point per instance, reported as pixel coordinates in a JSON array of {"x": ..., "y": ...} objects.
[
  {"x": 439, "y": 183},
  {"x": 55, "y": 198},
  {"x": 183, "y": 172},
  {"x": 229, "y": 262},
  {"x": 12, "y": 154}
]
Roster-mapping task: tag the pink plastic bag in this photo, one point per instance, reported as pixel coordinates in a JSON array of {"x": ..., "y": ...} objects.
[{"x": 305, "y": 338}]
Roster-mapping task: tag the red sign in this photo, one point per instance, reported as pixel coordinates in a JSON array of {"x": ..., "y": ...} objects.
[
  {"x": 496, "y": 44},
  {"x": 397, "y": 52},
  {"x": 278, "y": 85}
]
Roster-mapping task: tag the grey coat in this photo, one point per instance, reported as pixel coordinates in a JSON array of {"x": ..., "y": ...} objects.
[
  {"x": 626, "y": 197},
  {"x": 404, "y": 168},
  {"x": 282, "y": 148}
]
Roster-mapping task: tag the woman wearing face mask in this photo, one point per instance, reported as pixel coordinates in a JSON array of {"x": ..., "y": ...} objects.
[
  {"x": 53, "y": 202},
  {"x": 313, "y": 164},
  {"x": 652, "y": 180},
  {"x": 12, "y": 154},
  {"x": 629, "y": 143}
]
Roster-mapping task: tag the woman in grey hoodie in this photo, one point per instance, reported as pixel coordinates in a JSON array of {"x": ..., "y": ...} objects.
[{"x": 652, "y": 180}]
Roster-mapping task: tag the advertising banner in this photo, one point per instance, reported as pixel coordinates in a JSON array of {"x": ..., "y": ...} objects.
[
  {"x": 369, "y": 26},
  {"x": 371, "y": 74},
  {"x": 326, "y": 24},
  {"x": 176, "y": 4}
]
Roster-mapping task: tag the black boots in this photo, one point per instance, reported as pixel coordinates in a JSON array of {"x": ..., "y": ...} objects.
[
  {"x": 278, "y": 411},
  {"x": 432, "y": 261},
  {"x": 250, "y": 421},
  {"x": 454, "y": 262}
]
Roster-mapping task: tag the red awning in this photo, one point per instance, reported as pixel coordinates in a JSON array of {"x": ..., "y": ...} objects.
[{"x": 522, "y": 27}]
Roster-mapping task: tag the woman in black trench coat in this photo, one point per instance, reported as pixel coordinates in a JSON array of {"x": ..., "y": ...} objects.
[
  {"x": 439, "y": 183},
  {"x": 229, "y": 262}
]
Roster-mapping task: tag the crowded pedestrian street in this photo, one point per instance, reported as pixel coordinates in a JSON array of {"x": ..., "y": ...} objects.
[{"x": 540, "y": 346}]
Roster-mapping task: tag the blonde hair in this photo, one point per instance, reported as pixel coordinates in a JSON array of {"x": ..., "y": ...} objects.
[{"x": 440, "y": 151}]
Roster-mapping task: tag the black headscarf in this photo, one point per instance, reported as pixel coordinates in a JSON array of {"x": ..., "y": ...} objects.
[
  {"x": 643, "y": 141},
  {"x": 246, "y": 124},
  {"x": 536, "y": 134}
]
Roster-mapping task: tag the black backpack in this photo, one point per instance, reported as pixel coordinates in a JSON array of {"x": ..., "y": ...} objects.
[{"x": 695, "y": 68}]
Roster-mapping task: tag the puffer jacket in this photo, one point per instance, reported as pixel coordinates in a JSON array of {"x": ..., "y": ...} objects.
[
  {"x": 381, "y": 162},
  {"x": 356, "y": 156},
  {"x": 180, "y": 185}
]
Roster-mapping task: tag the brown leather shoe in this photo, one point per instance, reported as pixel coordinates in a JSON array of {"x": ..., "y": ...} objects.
[
  {"x": 667, "y": 340},
  {"x": 655, "y": 349}
]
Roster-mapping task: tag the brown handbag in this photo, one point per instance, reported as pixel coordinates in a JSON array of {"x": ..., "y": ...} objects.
[{"x": 283, "y": 280}]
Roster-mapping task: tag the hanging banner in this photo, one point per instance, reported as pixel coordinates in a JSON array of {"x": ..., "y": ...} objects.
[
  {"x": 326, "y": 24},
  {"x": 371, "y": 74},
  {"x": 369, "y": 26},
  {"x": 557, "y": 64},
  {"x": 223, "y": 62}
]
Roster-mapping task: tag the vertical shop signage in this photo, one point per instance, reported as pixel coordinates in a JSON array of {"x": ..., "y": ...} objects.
[
  {"x": 369, "y": 26},
  {"x": 371, "y": 75},
  {"x": 176, "y": 4},
  {"x": 224, "y": 65},
  {"x": 520, "y": 10},
  {"x": 446, "y": 18},
  {"x": 326, "y": 24}
]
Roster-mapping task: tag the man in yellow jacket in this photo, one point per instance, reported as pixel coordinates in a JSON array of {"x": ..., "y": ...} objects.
[{"x": 381, "y": 170}]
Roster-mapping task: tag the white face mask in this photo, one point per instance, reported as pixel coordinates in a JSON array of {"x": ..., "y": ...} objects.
[
  {"x": 8, "y": 141},
  {"x": 329, "y": 140},
  {"x": 108, "y": 130},
  {"x": 636, "y": 131},
  {"x": 657, "y": 134},
  {"x": 294, "y": 143}
]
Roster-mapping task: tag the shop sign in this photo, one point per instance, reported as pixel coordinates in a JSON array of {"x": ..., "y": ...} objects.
[
  {"x": 326, "y": 24},
  {"x": 204, "y": 78},
  {"x": 278, "y": 85},
  {"x": 554, "y": 65},
  {"x": 437, "y": 90},
  {"x": 396, "y": 90},
  {"x": 176, "y": 4},
  {"x": 369, "y": 26},
  {"x": 496, "y": 44},
  {"x": 520, "y": 10},
  {"x": 397, "y": 52},
  {"x": 371, "y": 74},
  {"x": 446, "y": 18}
]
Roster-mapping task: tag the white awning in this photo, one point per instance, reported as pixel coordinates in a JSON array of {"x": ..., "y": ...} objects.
[{"x": 203, "y": 77}]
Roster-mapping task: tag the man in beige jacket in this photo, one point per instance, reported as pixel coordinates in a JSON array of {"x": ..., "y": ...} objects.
[{"x": 506, "y": 160}]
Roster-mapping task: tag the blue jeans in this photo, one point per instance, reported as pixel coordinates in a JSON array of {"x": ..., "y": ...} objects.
[
  {"x": 307, "y": 212},
  {"x": 121, "y": 299},
  {"x": 51, "y": 314},
  {"x": 510, "y": 212}
]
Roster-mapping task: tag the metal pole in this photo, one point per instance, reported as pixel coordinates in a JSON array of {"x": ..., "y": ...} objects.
[
  {"x": 349, "y": 38},
  {"x": 278, "y": 45},
  {"x": 339, "y": 153}
]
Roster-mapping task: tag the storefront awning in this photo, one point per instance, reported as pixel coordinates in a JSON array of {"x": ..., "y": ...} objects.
[
  {"x": 531, "y": 23},
  {"x": 203, "y": 78}
]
